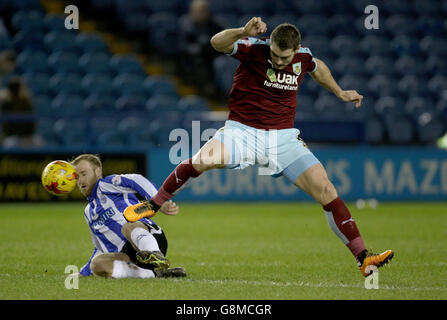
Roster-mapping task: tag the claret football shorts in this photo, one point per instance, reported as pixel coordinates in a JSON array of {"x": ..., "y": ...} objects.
[{"x": 275, "y": 152}]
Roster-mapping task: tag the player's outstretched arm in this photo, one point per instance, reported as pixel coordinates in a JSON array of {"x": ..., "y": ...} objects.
[
  {"x": 324, "y": 77},
  {"x": 224, "y": 40}
]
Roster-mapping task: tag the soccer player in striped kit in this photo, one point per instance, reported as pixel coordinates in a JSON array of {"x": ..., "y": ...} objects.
[
  {"x": 122, "y": 249},
  {"x": 262, "y": 103}
]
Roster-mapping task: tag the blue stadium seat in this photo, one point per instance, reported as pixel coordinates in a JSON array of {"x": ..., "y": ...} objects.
[
  {"x": 5, "y": 42},
  {"x": 99, "y": 102},
  {"x": 311, "y": 25},
  {"x": 429, "y": 127},
  {"x": 354, "y": 82},
  {"x": 341, "y": 24},
  {"x": 97, "y": 83},
  {"x": 427, "y": 8},
  {"x": 130, "y": 102},
  {"x": 224, "y": 68},
  {"x": 29, "y": 61},
  {"x": 61, "y": 61},
  {"x": 55, "y": 22},
  {"x": 346, "y": 45},
  {"x": 91, "y": 43},
  {"x": 393, "y": 7},
  {"x": 352, "y": 65},
  {"x": 29, "y": 41},
  {"x": 42, "y": 105},
  {"x": 126, "y": 64},
  {"x": 400, "y": 25},
  {"x": 330, "y": 107},
  {"x": 410, "y": 65},
  {"x": 111, "y": 139},
  {"x": 260, "y": 7},
  {"x": 61, "y": 41},
  {"x": 308, "y": 7},
  {"x": 436, "y": 64},
  {"x": 37, "y": 82},
  {"x": 163, "y": 32},
  {"x": 66, "y": 83},
  {"x": 67, "y": 104},
  {"x": 400, "y": 129},
  {"x": 375, "y": 45},
  {"x": 383, "y": 85},
  {"x": 380, "y": 64},
  {"x": 430, "y": 26},
  {"x": 412, "y": 85},
  {"x": 389, "y": 105},
  {"x": 415, "y": 106},
  {"x": 405, "y": 45},
  {"x": 438, "y": 84},
  {"x": 129, "y": 83},
  {"x": 28, "y": 20},
  {"x": 160, "y": 86},
  {"x": 319, "y": 45},
  {"x": 227, "y": 20},
  {"x": 374, "y": 130},
  {"x": 434, "y": 45},
  {"x": 95, "y": 62},
  {"x": 219, "y": 6},
  {"x": 192, "y": 103},
  {"x": 275, "y": 20},
  {"x": 70, "y": 132},
  {"x": 161, "y": 102}
]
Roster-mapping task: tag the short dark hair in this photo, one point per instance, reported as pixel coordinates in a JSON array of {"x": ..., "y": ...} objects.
[{"x": 286, "y": 36}]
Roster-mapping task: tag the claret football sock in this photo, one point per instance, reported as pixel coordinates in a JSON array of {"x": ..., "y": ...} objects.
[
  {"x": 181, "y": 174},
  {"x": 343, "y": 225}
]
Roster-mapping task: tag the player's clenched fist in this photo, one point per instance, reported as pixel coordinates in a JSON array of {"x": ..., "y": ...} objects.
[{"x": 255, "y": 27}]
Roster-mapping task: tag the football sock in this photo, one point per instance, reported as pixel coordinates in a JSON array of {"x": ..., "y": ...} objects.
[
  {"x": 144, "y": 240},
  {"x": 340, "y": 221},
  {"x": 181, "y": 174},
  {"x": 124, "y": 269}
]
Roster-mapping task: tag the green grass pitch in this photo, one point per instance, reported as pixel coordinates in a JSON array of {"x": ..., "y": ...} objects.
[{"x": 233, "y": 251}]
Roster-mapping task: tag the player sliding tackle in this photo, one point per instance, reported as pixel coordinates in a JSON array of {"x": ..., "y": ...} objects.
[{"x": 262, "y": 103}]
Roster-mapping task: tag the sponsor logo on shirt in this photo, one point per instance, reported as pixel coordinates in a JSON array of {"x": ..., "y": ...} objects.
[{"x": 282, "y": 80}]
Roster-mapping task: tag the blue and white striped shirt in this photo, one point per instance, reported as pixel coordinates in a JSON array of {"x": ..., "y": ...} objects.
[{"x": 104, "y": 212}]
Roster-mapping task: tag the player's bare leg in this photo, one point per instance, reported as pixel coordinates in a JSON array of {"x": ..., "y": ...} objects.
[
  {"x": 315, "y": 182},
  {"x": 214, "y": 154}
]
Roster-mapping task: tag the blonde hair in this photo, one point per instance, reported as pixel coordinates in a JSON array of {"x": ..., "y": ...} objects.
[{"x": 94, "y": 159}]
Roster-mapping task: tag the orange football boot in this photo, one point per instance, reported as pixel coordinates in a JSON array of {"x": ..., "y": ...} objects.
[
  {"x": 139, "y": 211},
  {"x": 373, "y": 261}
]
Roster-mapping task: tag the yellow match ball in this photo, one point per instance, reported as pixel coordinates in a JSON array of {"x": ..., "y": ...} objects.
[{"x": 59, "y": 178}]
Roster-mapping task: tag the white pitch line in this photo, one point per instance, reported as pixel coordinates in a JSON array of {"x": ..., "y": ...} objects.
[{"x": 313, "y": 285}]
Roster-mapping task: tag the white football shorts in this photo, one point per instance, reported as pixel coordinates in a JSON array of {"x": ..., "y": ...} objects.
[{"x": 275, "y": 152}]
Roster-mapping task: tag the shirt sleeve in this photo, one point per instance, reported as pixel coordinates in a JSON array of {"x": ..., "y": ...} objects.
[
  {"x": 243, "y": 47},
  {"x": 130, "y": 183},
  {"x": 311, "y": 65}
]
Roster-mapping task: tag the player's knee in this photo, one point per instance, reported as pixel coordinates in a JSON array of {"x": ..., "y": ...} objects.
[
  {"x": 100, "y": 266},
  {"x": 203, "y": 161},
  {"x": 327, "y": 192},
  {"x": 126, "y": 229}
]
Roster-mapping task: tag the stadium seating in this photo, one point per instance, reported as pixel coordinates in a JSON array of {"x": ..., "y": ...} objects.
[{"x": 400, "y": 68}]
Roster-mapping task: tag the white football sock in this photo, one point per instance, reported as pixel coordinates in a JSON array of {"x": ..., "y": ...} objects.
[
  {"x": 144, "y": 240},
  {"x": 124, "y": 269}
]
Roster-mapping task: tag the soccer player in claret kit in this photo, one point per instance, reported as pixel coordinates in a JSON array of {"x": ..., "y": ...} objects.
[{"x": 262, "y": 104}]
